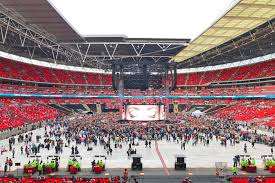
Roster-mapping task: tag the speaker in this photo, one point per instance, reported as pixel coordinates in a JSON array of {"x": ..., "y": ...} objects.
[
  {"x": 174, "y": 85},
  {"x": 113, "y": 76}
]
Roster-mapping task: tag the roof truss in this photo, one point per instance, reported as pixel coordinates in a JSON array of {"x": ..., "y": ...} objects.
[
  {"x": 243, "y": 17},
  {"x": 95, "y": 54}
]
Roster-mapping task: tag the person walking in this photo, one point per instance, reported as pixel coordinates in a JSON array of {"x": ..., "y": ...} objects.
[
  {"x": 111, "y": 150},
  {"x": 13, "y": 152},
  {"x": 235, "y": 161},
  {"x": 72, "y": 149},
  {"x": 5, "y": 168},
  {"x": 10, "y": 164},
  {"x": 183, "y": 145},
  {"x": 128, "y": 153},
  {"x": 245, "y": 148}
]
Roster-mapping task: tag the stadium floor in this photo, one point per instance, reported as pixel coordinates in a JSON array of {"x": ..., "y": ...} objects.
[{"x": 200, "y": 159}]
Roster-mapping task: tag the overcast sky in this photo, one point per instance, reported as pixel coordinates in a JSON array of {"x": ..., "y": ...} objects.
[{"x": 142, "y": 18}]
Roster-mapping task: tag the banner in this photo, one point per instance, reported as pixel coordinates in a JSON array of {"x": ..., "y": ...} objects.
[
  {"x": 98, "y": 108},
  {"x": 176, "y": 108}
]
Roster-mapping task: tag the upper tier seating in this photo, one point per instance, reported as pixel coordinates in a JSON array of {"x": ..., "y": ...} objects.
[
  {"x": 258, "y": 70},
  {"x": 18, "y": 70},
  {"x": 22, "y": 71},
  {"x": 244, "y": 90}
]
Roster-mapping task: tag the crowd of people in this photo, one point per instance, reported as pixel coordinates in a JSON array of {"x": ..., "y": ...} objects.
[
  {"x": 107, "y": 128},
  {"x": 109, "y": 131}
]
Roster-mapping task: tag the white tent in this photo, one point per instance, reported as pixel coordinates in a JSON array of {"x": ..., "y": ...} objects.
[{"x": 198, "y": 113}]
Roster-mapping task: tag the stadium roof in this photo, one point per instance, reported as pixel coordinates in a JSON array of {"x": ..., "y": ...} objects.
[
  {"x": 34, "y": 29},
  {"x": 243, "y": 17},
  {"x": 41, "y": 14},
  {"x": 27, "y": 30},
  {"x": 142, "y": 18}
]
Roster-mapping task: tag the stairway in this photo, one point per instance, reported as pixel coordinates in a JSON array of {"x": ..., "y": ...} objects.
[
  {"x": 86, "y": 107},
  {"x": 59, "y": 108},
  {"x": 187, "y": 77},
  {"x": 234, "y": 74}
]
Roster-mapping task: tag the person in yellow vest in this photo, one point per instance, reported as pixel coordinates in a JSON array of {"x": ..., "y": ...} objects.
[
  {"x": 253, "y": 162},
  {"x": 101, "y": 163},
  {"x": 34, "y": 164},
  {"x": 234, "y": 170},
  {"x": 40, "y": 168},
  {"x": 70, "y": 163},
  {"x": 52, "y": 165},
  {"x": 77, "y": 165},
  {"x": 47, "y": 164},
  {"x": 269, "y": 163},
  {"x": 27, "y": 164},
  {"x": 243, "y": 164}
]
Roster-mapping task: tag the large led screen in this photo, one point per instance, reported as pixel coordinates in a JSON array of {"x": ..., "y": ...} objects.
[{"x": 143, "y": 112}]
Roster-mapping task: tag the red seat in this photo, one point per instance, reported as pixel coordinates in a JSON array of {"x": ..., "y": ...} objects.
[
  {"x": 48, "y": 170},
  {"x": 272, "y": 169},
  {"x": 29, "y": 170},
  {"x": 98, "y": 169},
  {"x": 251, "y": 169},
  {"x": 73, "y": 170}
]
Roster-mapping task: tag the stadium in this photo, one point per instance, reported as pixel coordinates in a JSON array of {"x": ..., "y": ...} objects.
[{"x": 117, "y": 109}]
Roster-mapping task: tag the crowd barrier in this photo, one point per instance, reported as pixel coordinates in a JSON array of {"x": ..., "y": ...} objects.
[
  {"x": 16, "y": 131},
  {"x": 58, "y": 180},
  {"x": 252, "y": 179}
]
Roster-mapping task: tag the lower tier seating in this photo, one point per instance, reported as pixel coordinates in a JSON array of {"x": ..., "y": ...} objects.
[
  {"x": 14, "y": 114},
  {"x": 248, "y": 110}
]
